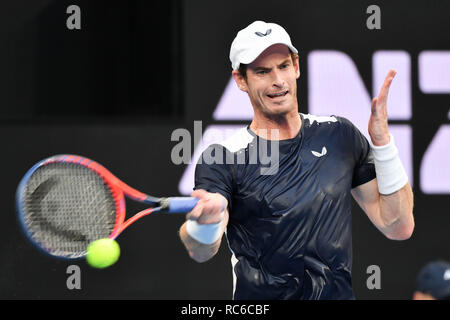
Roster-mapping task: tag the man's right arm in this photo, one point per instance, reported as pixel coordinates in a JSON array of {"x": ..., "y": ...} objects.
[
  {"x": 198, "y": 251},
  {"x": 210, "y": 210}
]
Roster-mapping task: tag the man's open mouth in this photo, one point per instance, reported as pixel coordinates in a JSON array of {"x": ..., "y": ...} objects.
[{"x": 278, "y": 94}]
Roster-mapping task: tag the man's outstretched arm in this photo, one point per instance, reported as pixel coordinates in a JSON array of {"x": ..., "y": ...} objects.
[
  {"x": 202, "y": 233},
  {"x": 388, "y": 200}
]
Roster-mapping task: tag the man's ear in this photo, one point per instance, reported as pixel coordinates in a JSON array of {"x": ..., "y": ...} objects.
[
  {"x": 240, "y": 80},
  {"x": 297, "y": 67}
]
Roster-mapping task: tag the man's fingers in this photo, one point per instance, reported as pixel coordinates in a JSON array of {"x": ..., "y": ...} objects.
[
  {"x": 386, "y": 85},
  {"x": 390, "y": 76},
  {"x": 200, "y": 194},
  {"x": 392, "y": 73},
  {"x": 196, "y": 212},
  {"x": 198, "y": 209},
  {"x": 209, "y": 208},
  {"x": 373, "y": 107}
]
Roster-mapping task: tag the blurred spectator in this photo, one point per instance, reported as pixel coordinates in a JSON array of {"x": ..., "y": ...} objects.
[{"x": 433, "y": 282}]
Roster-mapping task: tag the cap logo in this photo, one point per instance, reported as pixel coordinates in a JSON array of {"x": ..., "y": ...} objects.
[
  {"x": 260, "y": 34},
  {"x": 447, "y": 274}
]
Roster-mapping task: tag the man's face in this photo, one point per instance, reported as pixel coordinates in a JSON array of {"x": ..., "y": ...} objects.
[{"x": 271, "y": 81}]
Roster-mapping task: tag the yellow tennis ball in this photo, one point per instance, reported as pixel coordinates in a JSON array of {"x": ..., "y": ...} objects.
[{"x": 102, "y": 253}]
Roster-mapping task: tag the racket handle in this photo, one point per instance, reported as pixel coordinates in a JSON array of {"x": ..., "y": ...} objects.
[{"x": 181, "y": 204}]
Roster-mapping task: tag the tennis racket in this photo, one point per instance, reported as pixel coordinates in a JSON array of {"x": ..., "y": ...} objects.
[{"x": 66, "y": 201}]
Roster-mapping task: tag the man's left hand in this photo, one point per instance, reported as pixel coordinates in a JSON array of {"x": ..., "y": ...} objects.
[{"x": 378, "y": 122}]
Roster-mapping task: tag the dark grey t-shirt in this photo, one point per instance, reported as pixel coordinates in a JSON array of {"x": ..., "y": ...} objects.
[{"x": 290, "y": 228}]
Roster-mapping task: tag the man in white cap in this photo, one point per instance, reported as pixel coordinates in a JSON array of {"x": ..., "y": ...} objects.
[{"x": 289, "y": 227}]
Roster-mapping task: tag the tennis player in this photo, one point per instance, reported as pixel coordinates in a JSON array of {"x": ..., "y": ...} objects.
[{"x": 289, "y": 228}]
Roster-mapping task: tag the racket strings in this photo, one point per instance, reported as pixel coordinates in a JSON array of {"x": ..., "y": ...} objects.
[{"x": 67, "y": 206}]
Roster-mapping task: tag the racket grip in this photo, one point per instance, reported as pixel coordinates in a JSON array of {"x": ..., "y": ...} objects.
[{"x": 181, "y": 204}]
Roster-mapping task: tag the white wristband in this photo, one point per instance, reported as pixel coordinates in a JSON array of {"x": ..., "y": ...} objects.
[
  {"x": 204, "y": 233},
  {"x": 391, "y": 175}
]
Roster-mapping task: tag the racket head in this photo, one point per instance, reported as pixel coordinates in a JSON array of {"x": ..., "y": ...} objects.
[{"x": 65, "y": 202}]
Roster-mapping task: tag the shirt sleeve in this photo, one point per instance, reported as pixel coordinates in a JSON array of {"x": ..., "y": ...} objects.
[
  {"x": 213, "y": 172},
  {"x": 364, "y": 170}
]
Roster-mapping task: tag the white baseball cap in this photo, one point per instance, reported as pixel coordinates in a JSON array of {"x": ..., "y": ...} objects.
[{"x": 254, "y": 39}]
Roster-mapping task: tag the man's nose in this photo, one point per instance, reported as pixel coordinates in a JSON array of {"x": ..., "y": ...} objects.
[{"x": 277, "y": 80}]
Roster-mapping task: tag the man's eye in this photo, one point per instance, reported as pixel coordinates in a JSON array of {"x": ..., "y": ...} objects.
[
  {"x": 284, "y": 66},
  {"x": 261, "y": 72}
]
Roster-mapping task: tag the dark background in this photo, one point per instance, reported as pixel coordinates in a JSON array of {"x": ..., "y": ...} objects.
[{"x": 116, "y": 89}]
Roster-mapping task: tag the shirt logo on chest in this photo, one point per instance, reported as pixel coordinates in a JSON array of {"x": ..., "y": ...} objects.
[{"x": 319, "y": 155}]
